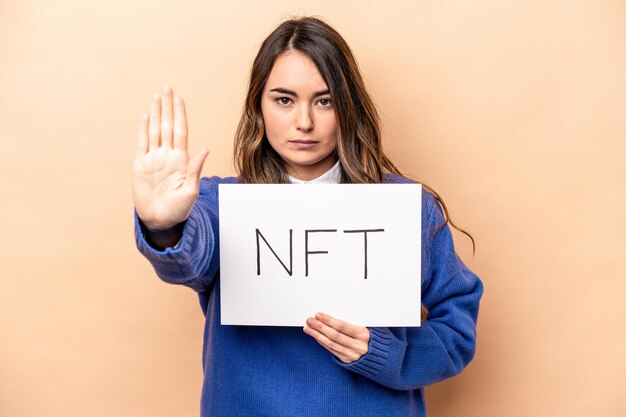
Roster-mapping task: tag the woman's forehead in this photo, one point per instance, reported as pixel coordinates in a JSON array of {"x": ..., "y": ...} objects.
[{"x": 294, "y": 71}]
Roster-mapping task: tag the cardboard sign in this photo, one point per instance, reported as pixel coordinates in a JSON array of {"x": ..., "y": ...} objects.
[{"x": 352, "y": 251}]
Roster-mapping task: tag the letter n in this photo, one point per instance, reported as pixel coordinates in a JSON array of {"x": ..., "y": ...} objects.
[{"x": 258, "y": 253}]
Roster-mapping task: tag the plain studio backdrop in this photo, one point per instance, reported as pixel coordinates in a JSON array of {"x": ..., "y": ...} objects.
[{"x": 515, "y": 111}]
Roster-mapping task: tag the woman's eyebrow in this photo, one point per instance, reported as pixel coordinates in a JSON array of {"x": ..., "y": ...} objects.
[{"x": 293, "y": 93}]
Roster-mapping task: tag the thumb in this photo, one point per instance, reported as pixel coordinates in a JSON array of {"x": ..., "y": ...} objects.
[{"x": 195, "y": 166}]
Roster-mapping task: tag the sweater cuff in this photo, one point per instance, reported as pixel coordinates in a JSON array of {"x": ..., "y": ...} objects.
[
  {"x": 377, "y": 356},
  {"x": 189, "y": 233}
]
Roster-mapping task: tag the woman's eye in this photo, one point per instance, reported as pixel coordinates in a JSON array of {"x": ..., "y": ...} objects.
[
  {"x": 325, "y": 102},
  {"x": 283, "y": 100}
]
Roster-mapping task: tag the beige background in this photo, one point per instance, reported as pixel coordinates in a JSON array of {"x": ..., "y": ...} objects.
[{"x": 513, "y": 110}]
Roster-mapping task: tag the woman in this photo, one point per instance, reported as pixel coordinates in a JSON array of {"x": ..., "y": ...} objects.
[{"x": 307, "y": 118}]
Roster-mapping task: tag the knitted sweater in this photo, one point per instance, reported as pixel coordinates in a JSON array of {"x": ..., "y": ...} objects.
[{"x": 281, "y": 371}]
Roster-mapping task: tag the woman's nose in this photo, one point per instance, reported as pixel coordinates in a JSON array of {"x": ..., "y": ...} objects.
[{"x": 304, "y": 118}]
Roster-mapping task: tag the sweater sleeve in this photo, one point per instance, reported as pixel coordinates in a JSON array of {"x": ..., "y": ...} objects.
[
  {"x": 413, "y": 357},
  {"x": 194, "y": 261}
]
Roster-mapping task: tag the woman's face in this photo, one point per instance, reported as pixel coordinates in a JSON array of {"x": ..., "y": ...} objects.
[{"x": 299, "y": 117}]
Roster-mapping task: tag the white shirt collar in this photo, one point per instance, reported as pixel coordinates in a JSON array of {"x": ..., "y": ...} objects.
[{"x": 332, "y": 176}]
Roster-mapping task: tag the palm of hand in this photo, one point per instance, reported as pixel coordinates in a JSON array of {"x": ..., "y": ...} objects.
[
  {"x": 165, "y": 181},
  {"x": 163, "y": 196}
]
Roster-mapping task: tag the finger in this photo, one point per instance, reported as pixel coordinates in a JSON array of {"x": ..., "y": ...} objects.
[
  {"x": 356, "y": 332},
  {"x": 142, "y": 143},
  {"x": 180, "y": 124},
  {"x": 343, "y": 353},
  {"x": 331, "y": 333},
  {"x": 357, "y": 345},
  {"x": 154, "y": 127},
  {"x": 195, "y": 166},
  {"x": 342, "y": 358},
  {"x": 167, "y": 116}
]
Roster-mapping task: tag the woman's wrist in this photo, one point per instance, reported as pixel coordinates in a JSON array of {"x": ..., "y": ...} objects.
[{"x": 164, "y": 238}]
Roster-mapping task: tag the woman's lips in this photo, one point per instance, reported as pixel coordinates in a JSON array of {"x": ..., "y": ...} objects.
[{"x": 303, "y": 144}]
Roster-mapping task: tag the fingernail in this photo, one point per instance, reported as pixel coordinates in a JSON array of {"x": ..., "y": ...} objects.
[
  {"x": 156, "y": 96},
  {"x": 318, "y": 316},
  {"x": 166, "y": 88}
]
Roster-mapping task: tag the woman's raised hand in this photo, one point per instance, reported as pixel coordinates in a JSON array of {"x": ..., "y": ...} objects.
[{"x": 165, "y": 181}]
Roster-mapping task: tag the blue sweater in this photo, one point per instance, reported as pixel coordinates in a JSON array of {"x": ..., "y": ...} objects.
[{"x": 281, "y": 371}]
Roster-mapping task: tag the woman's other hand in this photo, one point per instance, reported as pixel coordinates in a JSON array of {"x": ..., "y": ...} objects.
[
  {"x": 344, "y": 340},
  {"x": 165, "y": 181}
]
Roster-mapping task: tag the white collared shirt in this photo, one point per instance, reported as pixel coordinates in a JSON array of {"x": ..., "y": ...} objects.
[{"x": 332, "y": 176}]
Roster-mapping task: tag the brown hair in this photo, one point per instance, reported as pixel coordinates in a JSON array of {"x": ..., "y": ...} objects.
[{"x": 359, "y": 145}]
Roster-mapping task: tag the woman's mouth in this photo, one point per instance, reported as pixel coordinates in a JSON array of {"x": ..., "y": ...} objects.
[{"x": 303, "y": 144}]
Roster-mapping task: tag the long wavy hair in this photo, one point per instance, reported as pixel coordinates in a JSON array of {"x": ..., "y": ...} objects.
[{"x": 359, "y": 145}]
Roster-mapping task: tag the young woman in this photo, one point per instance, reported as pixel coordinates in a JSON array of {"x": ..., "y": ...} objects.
[{"x": 307, "y": 118}]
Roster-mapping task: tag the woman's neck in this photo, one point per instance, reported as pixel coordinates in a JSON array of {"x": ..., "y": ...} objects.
[
  {"x": 331, "y": 175},
  {"x": 313, "y": 171}
]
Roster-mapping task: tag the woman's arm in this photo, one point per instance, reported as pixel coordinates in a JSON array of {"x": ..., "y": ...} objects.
[
  {"x": 161, "y": 239},
  {"x": 169, "y": 207},
  {"x": 194, "y": 261},
  {"x": 410, "y": 358}
]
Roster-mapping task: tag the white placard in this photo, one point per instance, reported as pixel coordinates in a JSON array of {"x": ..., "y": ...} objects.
[{"x": 352, "y": 251}]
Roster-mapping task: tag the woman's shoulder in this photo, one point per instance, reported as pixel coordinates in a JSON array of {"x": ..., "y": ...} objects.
[
  {"x": 209, "y": 185},
  {"x": 433, "y": 216},
  {"x": 389, "y": 178},
  {"x": 214, "y": 180},
  {"x": 429, "y": 201}
]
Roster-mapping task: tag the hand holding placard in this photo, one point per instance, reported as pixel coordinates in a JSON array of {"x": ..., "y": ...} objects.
[{"x": 344, "y": 340}]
